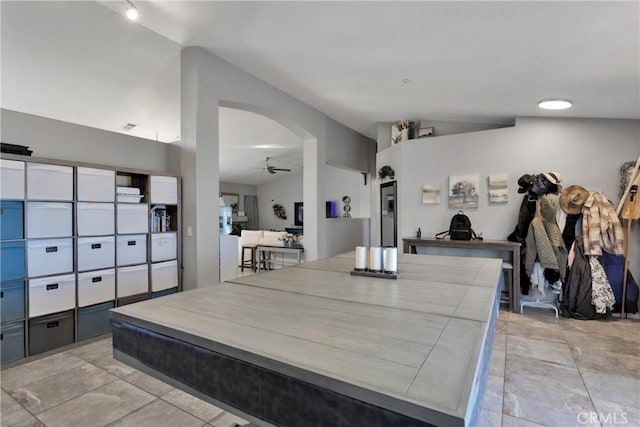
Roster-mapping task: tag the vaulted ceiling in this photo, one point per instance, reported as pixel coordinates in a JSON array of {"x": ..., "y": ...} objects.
[{"x": 359, "y": 62}]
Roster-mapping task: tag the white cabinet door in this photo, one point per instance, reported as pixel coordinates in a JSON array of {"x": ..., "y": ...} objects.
[
  {"x": 11, "y": 179},
  {"x": 163, "y": 246},
  {"x": 52, "y": 294},
  {"x": 95, "y": 219},
  {"x": 96, "y": 252},
  {"x": 49, "y": 256},
  {"x": 49, "y": 182},
  {"x": 164, "y": 275},
  {"x": 133, "y": 218},
  {"x": 164, "y": 190},
  {"x": 133, "y": 280},
  {"x": 49, "y": 219},
  {"x": 95, "y": 287},
  {"x": 96, "y": 185}
]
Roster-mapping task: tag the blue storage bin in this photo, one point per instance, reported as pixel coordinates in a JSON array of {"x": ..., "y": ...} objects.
[
  {"x": 11, "y": 261},
  {"x": 11, "y": 220},
  {"x": 94, "y": 320},
  {"x": 11, "y": 301},
  {"x": 11, "y": 342},
  {"x": 164, "y": 292}
]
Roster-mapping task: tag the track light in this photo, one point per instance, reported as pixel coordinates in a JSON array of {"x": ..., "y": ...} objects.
[{"x": 132, "y": 11}]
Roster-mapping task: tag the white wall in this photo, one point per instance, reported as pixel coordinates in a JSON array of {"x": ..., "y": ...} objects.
[
  {"x": 54, "y": 139},
  {"x": 586, "y": 152},
  {"x": 342, "y": 182},
  {"x": 284, "y": 191},
  {"x": 343, "y": 235}
]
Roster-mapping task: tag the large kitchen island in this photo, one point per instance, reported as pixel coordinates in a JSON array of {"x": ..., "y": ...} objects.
[{"x": 312, "y": 345}]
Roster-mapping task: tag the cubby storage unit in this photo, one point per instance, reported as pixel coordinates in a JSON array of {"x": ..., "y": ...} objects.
[
  {"x": 11, "y": 220},
  {"x": 12, "y": 260},
  {"x": 11, "y": 342},
  {"x": 51, "y": 331},
  {"x": 133, "y": 280},
  {"x": 76, "y": 240},
  {"x": 12, "y": 301},
  {"x": 94, "y": 320}
]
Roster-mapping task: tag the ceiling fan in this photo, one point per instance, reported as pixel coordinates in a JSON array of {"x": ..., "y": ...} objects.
[{"x": 271, "y": 169}]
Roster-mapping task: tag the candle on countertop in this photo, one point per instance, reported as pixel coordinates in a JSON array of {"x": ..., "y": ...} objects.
[
  {"x": 361, "y": 258},
  {"x": 375, "y": 259},
  {"x": 391, "y": 260}
]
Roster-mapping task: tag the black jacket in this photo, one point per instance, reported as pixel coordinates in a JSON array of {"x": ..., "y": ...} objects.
[{"x": 576, "y": 293}]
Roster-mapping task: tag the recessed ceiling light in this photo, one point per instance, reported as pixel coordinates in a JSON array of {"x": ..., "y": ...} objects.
[
  {"x": 128, "y": 127},
  {"x": 132, "y": 11},
  {"x": 555, "y": 104},
  {"x": 405, "y": 81}
]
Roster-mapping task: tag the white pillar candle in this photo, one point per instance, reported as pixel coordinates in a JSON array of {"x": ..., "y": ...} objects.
[
  {"x": 361, "y": 257},
  {"x": 375, "y": 259},
  {"x": 391, "y": 260}
]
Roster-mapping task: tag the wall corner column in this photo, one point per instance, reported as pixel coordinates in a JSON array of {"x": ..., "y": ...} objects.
[{"x": 199, "y": 167}]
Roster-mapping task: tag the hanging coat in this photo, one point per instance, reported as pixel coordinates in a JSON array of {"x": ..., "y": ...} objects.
[
  {"x": 544, "y": 240},
  {"x": 576, "y": 294},
  {"x": 614, "y": 268}
]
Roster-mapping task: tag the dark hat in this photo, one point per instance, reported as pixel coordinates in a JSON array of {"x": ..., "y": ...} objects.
[
  {"x": 573, "y": 199},
  {"x": 525, "y": 182}
]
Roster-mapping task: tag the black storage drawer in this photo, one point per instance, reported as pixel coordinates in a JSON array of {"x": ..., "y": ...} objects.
[
  {"x": 50, "y": 331},
  {"x": 11, "y": 342}
]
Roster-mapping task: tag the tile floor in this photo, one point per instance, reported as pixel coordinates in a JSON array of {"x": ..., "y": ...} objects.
[{"x": 544, "y": 372}]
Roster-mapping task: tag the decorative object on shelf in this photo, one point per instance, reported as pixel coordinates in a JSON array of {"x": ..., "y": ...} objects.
[
  {"x": 430, "y": 194},
  {"x": 400, "y": 131},
  {"x": 424, "y": 130},
  {"x": 463, "y": 191},
  {"x": 498, "y": 188},
  {"x": 279, "y": 211},
  {"x": 347, "y": 207},
  {"x": 386, "y": 171},
  {"x": 419, "y": 233}
]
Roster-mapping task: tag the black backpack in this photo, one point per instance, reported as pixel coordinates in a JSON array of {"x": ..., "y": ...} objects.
[{"x": 460, "y": 228}]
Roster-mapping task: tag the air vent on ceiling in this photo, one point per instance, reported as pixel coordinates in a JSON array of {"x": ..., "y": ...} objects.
[{"x": 128, "y": 126}]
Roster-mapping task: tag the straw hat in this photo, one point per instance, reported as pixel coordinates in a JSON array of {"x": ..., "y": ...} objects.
[{"x": 573, "y": 198}]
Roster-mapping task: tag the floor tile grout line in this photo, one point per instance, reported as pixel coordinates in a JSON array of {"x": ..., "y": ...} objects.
[
  {"x": 191, "y": 413},
  {"x": 132, "y": 412},
  {"x": 35, "y": 415},
  {"x": 593, "y": 404}
]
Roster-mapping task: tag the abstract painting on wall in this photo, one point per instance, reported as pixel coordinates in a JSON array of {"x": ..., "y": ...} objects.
[
  {"x": 431, "y": 194},
  {"x": 463, "y": 191},
  {"x": 498, "y": 188}
]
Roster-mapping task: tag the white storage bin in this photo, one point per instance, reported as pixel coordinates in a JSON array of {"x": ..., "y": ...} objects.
[
  {"x": 96, "y": 286},
  {"x": 49, "y": 182},
  {"x": 164, "y": 275},
  {"x": 164, "y": 190},
  {"x": 50, "y": 256},
  {"x": 11, "y": 179},
  {"x": 95, "y": 219},
  {"x": 133, "y": 218},
  {"x": 52, "y": 294},
  {"x": 96, "y": 185},
  {"x": 131, "y": 249},
  {"x": 133, "y": 280},
  {"x": 129, "y": 198},
  {"x": 49, "y": 219},
  {"x": 96, "y": 252},
  {"x": 163, "y": 246}
]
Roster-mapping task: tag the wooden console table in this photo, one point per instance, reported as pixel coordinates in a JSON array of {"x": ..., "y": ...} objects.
[{"x": 502, "y": 246}]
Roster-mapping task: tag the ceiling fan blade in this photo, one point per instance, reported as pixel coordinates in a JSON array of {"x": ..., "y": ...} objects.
[{"x": 281, "y": 169}]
